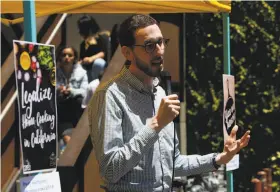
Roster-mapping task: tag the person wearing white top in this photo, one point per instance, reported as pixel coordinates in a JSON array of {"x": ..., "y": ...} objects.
[{"x": 89, "y": 92}]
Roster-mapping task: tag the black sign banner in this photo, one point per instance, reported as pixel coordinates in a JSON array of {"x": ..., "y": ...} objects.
[{"x": 35, "y": 78}]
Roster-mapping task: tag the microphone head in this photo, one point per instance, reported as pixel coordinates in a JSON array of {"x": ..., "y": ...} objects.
[
  {"x": 165, "y": 75},
  {"x": 166, "y": 81}
]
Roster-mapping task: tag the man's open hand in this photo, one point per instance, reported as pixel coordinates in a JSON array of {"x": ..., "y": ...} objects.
[{"x": 232, "y": 146}]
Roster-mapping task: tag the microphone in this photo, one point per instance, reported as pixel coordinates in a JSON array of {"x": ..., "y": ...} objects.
[{"x": 166, "y": 80}]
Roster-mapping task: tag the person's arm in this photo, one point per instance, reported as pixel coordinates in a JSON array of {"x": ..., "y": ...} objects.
[
  {"x": 115, "y": 157},
  {"x": 196, "y": 164},
  {"x": 82, "y": 89},
  {"x": 232, "y": 146},
  {"x": 101, "y": 54},
  {"x": 186, "y": 165},
  {"x": 91, "y": 59}
]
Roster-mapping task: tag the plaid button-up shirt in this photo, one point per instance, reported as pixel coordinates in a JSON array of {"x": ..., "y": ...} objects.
[{"x": 131, "y": 155}]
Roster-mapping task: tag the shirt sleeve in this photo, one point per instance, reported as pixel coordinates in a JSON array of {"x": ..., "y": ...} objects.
[
  {"x": 186, "y": 165},
  {"x": 115, "y": 157}
]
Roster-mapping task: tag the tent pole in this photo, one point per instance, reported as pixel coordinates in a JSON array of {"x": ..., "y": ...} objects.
[
  {"x": 183, "y": 113},
  {"x": 226, "y": 42},
  {"x": 29, "y": 21},
  {"x": 30, "y": 31}
]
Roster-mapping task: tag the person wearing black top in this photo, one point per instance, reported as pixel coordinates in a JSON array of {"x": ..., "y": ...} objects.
[{"x": 93, "y": 49}]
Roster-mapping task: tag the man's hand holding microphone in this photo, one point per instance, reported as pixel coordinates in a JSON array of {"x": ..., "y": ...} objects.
[{"x": 168, "y": 110}]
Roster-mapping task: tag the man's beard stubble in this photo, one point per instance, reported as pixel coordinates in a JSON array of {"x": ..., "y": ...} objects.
[{"x": 147, "y": 69}]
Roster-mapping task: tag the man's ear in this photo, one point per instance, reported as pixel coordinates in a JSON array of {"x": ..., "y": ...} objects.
[{"x": 127, "y": 53}]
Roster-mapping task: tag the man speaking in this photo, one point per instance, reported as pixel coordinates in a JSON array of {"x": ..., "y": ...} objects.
[{"x": 131, "y": 119}]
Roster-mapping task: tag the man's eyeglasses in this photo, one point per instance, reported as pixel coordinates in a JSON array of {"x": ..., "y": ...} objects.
[{"x": 151, "y": 46}]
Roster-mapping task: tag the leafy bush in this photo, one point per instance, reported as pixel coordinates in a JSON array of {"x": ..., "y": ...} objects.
[{"x": 255, "y": 63}]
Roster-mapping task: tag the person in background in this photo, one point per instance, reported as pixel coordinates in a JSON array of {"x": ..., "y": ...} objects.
[
  {"x": 71, "y": 85},
  {"x": 93, "y": 49},
  {"x": 131, "y": 119},
  {"x": 92, "y": 86}
]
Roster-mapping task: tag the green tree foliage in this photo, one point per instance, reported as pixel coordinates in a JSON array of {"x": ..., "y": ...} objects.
[{"x": 255, "y": 63}]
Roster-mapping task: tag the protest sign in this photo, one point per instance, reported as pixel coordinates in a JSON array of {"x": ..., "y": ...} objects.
[{"x": 35, "y": 80}]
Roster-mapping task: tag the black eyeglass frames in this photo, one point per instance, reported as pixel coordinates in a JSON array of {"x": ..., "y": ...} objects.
[{"x": 151, "y": 46}]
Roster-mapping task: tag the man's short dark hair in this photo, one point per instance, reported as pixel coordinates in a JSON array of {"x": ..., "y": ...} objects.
[{"x": 130, "y": 25}]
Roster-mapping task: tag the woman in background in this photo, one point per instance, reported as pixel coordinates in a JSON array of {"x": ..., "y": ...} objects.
[
  {"x": 93, "y": 47},
  {"x": 71, "y": 84}
]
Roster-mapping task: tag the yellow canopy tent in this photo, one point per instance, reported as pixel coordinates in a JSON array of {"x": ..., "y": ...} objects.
[{"x": 152, "y": 6}]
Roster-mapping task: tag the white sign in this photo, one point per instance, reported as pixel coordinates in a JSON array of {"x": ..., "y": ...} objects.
[
  {"x": 44, "y": 182},
  {"x": 233, "y": 164},
  {"x": 229, "y": 115}
]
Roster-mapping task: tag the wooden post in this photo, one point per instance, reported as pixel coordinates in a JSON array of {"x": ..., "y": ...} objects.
[
  {"x": 262, "y": 175},
  {"x": 269, "y": 179},
  {"x": 258, "y": 185}
]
